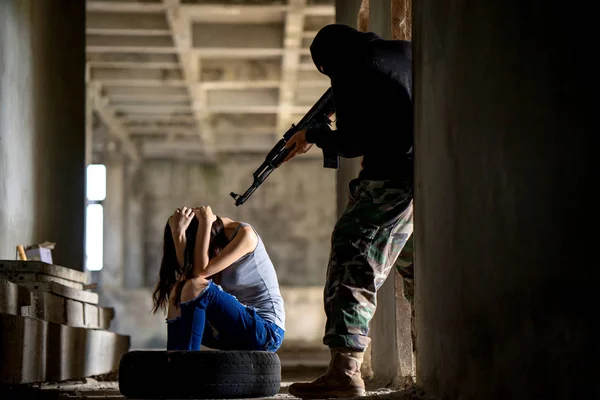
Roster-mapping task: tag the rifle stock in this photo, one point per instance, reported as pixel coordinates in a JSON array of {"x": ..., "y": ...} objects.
[{"x": 316, "y": 117}]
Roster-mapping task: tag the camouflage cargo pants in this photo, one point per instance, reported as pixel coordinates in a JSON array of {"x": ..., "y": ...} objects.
[{"x": 365, "y": 245}]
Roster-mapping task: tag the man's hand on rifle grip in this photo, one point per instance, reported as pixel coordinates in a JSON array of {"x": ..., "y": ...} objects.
[{"x": 297, "y": 144}]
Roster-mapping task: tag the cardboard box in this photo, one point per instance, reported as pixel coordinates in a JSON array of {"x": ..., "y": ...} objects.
[{"x": 40, "y": 252}]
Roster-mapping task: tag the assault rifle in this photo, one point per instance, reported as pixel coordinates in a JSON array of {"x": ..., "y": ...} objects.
[{"x": 316, "y": 117}]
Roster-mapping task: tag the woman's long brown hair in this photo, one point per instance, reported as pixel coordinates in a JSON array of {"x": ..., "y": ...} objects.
[{"x": 171, "y": 273}]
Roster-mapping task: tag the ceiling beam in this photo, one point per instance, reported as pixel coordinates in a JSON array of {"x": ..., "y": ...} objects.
[
  {"x": 294, "y": 25},
  {"x": 127, "y": 32},
  {"x": 166, "y": 110},
  {"x": 190, "y": 65},
  {"x": 106, "y": 23},
  {"x": 149, "y": 148},
  {"x": 239, "y": 85},
  {"x": 234, "y": 14},
  {"x": 112, "y": 123},
  {"x": 95, "y": 46},
  {"x": 142, "y": 54},
  {"x": 132, "y": 57},
  {"x": 130, "y": 49},
  {"x": 307, "y": 67},
  {"x": 254, "y": 109},
  {"x": 134, "y": 82},
  {"x": 118, "y": 41},
  {"x": 200, "y": 158},
  {"x": 320, "y": 11},
  {"x": 198, "y": 11},
  {"x": 204, "y": 11},
  {"x": 126, "y": 74},
  {"x": 157, "y": 109},
  {"x": 239, "y": 52},
  {"x": 134, "y": 119},
  {"x": 321, "y": 84},
  {"x": 147, "y": 123},
  {"x": 147, "y": 98},
  {"x": 145, "y": 91},
  {"x": 309, "y": 34},
  {"x": 125, "y": 6},
  {"x": 133, "y": 65},
  {"x": 197, "y": 153},
  {"x": 237, "y": 130}
]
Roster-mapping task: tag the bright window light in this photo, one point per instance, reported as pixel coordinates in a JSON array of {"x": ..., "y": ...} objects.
[
  {"x": 94, "y": 232},
  {"x": 96, "y": 182}
]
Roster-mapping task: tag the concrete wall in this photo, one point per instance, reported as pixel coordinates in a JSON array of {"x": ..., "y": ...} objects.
[
  {"x": 42, "y": 113},
  {"x": 506, "y": 211},
  {"x": 293, "y": 210},
  {"x": 17, "y": 138}
]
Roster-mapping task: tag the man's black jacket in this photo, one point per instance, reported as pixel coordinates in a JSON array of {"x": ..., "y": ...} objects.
[{"x": 371, "y": 79}]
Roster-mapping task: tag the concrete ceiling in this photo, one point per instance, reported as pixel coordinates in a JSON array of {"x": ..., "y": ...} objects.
[{"x": 174, "y": 78}]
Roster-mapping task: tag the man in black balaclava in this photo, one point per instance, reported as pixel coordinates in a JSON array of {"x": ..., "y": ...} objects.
[{"x": 371, "y": 82}]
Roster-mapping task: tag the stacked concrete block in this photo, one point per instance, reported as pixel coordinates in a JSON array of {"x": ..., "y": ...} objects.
[
  {"x": 39, "y": 272},
  {"x": 50, "y": 328},
  {"x": 50, "y": 299},
  {"x": 42, "y": 302}
]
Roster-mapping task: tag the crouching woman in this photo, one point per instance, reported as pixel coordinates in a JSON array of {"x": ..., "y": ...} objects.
[{"x": 218, "y": 285}]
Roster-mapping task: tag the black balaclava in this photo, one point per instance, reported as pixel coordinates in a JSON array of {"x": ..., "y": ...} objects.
[{"x": 337, "y": 47}]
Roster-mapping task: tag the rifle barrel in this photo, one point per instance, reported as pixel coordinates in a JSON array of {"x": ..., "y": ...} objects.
[{"x": 317, "y": 115}]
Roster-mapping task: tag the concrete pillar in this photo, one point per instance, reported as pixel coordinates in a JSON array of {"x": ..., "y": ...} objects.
[
  {"x": 112, "y": 273},
  {"x": 346, "y": 12},
  {"x": 506, "y": 210},
  {"x": 401, "y": 19},
  {"x": 380, "y": 17},
  {"x": 392, "y": 359},
  {"x": 89, "y": 116},
  {"x": 134, "y": 228},
  {"x": 42, "y": 127},
  {"x": 391, "y": 347}
]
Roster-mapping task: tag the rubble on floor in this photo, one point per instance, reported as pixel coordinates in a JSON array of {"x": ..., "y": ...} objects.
[
  {"x": 51, "y": 329},
  {"x": 93, "y": 389}
]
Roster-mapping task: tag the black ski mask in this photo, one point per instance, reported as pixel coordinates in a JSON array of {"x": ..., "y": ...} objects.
[{"x": 338, "y": 47}]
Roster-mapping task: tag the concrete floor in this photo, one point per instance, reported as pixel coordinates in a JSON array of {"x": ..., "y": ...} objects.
[
  {"x": 93, "y": 389},
  {"x": 296, "y": 365}
]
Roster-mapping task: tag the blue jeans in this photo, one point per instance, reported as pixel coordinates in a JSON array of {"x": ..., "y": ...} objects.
[{"x": 218, "y": 320}]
